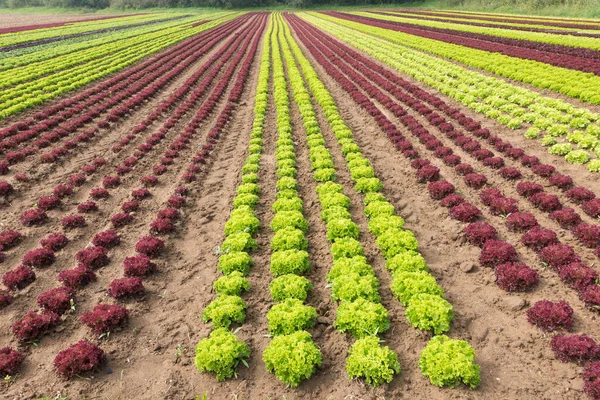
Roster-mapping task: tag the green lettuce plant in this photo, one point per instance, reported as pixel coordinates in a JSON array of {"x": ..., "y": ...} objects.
[
  {"x": 289, "y": 262},
  {"x": 224, "y": 310},
  {"x": 370, "y": 361},
  {"x": 233, "y": 284},
  {"x": 429, "y": 312},
  {"x": 221, "y": 353},
  {"x": 362, "y": 318},
  {"x": 290, "y": 316},
  {"x": 290, "y": 286}
]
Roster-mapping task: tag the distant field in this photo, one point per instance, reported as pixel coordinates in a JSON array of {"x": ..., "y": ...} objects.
[{"x": 340, "y": 204}]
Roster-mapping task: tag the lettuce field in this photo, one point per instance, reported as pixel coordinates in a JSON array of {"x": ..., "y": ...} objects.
[{"x": 373, "y": 204}]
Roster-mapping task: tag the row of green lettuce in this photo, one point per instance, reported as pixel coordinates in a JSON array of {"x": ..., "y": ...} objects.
[
  {"x": 444, "y": 361},
  {"x": 292, "y": 354},
  {"x": 547, "y": 118},
  {"x": 222, "y": 351}
]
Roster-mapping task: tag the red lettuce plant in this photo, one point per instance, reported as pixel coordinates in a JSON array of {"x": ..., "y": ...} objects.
[
  {"x": 464, "y": 169},
  {"x": 87, "y": 207},
  {"x": 130, "y": 206},
  {"x": 76, "y": 180},
  {"x": 139, "y": 265},
  {"x": 511, "y": 174},
  {"x": 105, "y": 318},
  {"x": 428, "y": 173},
  {"x": 170, "y": 213},
  {"x": 18, "y": 278},
  {"x": 72, "y": 222},
  {"x": 9, "y": 239},
  {"x": 33, "y": 217},
  {"x": 48, "y": 203},
  {"x": 480, "y": 232},
  {"x": 543, "y": 170},
  {"x": 162, "y": 225},
  {"x": 149, "y": 180},
  {"x": 99, "y": 193},
  {"x": 558, "y": 255},
  {"x": 591, "y": 379},
  {"x": 176, "y": 201},
  {"x": 591, "y": 297},
  {"x": 580, "y": 194},
  {"x": 54, "y": 241},
  {"x": 63, "y": 190},
  {"x": 451, "y": 200},
  {"x": 549, "y": 316},
  {"x": 38, "y": 258},
  {"x": 76, "y": 277},
  {"x": 521, "y": 222},
  {"x": 496, "y": 252},
  {"x": 563, "y": 182},
  {"x": 475, "y": 181},
  {"x": 538, "y": 238},
  {"x": 108, "y": 239},
  {"x": 578, "y": 275},
  {"x": 57, "y": 300},
  {"x": 439, "y": 190},
  {"x": 567, "y": 218},
  {"x": 503, "y": 206},
  {"x": 6, "y": 189},
  {"x": 546, "y": 202},
  {"x": 150, "y": 246},
  {"x": 126, "y": 287},
  {"x": 78, "y": 358},
  {"x": 515, "y": 277},
  {"x": 33, "y": 325},
  {"x": 10, "y": 361},
  {"x": 578, "y": 348},
  {"x": 121, "y": 219},
  {"x": 592, "y": 207},
  {"x": 93, "y": 257},
  {"x": 140, "y": 194},
  {"x": 182, "y": 191},
  {"x": 528, "y": 189},
  {"x": 488, "y": 195},
  {"x": 587, "y": 234},
  {"x": 21, "y": 177},
  {"x": 529, "y": 161},
  {"x": 110, "y": 182},
  {"x": 465, "y": 212},
  {"x": 5, "y": 298},
  {"x": 494, "y": 162}
]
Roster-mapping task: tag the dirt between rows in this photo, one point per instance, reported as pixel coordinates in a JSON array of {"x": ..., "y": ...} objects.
[{"x": 515, "y": 358}]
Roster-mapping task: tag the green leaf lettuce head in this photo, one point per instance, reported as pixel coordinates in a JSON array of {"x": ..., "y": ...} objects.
[
  {"x": 289, "y": 262},
  {"x": 367, "y": 359},
  {"x": 220, "y": 353},
  {"x": 290, "y": 286},
  {"x": 405, "y": 285},
  {"x": 393, "y": 241},
  {"x": 235, "y": 261},
  {"x": 429, "y": 312},
  {"x": 224, "y": 310},
  {"x": 352, "y": 286},
  {"x": 345, "y": 265},
  {"x": 446, "y": 362},
  {"x": 233, "y": 284},
  {"x": 289, "y": 239},
  {"x": 292, "y": 358},
  {"x": 362, "y": 318},
  {"x": 290, "y": 316}
]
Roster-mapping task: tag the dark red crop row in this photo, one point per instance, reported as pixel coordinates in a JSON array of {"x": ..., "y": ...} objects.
[
  {"x": 105, "y": 317},
  {"x": 561, "y": 56}
]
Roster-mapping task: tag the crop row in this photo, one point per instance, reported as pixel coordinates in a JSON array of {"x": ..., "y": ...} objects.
[
  {"x": 23, "y": 96},
  {"x": 106, "y": 317},
  {"x": 417, "y": 290},
  {"x": 507, "y": 104},
  {"x": 571, "y": 83},
  {"x": 511, "y": 275},
  {"x": 222, "y": 351}
]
